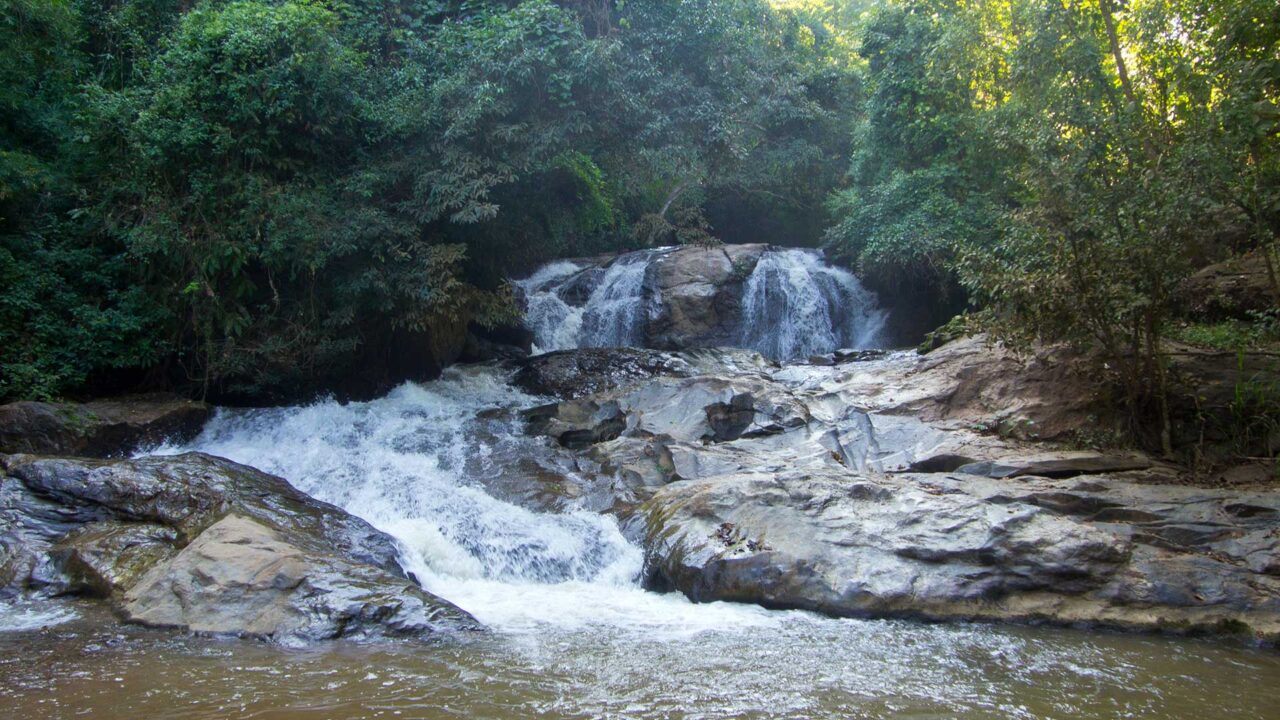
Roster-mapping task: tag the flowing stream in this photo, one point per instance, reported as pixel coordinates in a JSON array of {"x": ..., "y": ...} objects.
[{"x": 445, "y": 468}]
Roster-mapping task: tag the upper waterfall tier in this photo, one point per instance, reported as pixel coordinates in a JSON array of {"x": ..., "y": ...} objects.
[{"x": 787, "y": 303}]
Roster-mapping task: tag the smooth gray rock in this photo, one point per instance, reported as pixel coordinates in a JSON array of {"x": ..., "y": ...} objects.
[
  {"x": 848, "y": 489},
  {"x": 939, "y": 547},
  {"x": 134, "y": 531},
  {"x": 240, "y": 577}
]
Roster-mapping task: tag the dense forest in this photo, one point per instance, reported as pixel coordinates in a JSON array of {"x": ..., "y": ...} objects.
[{"x": 253, "y": 199}]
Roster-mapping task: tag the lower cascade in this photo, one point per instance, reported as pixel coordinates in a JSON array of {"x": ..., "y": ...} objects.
[
  {"x": 786, "y": 303},
  {"x": 414, "y": 464}
]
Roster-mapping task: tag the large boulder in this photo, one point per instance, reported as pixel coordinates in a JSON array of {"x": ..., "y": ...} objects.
[
  {"x": 955, "y": 547},
  {"x": 1234, "y": 288},
  {"x": 103, "y": 428},
  {"x": 699, "y": 295},
  {"x": 138, "y": 533},
  {"x": 241, "y": 577},
  {"x": 1046, "y": 394}
]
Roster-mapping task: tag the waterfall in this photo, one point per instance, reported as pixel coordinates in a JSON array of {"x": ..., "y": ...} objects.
[
  {"x": 616, "y": 309},
  {"x": 795, "y": 305},
  {"x": 555, "y": 323},
  {"x": 792, "y": 305},
  {"x": 571, "y": 306}
]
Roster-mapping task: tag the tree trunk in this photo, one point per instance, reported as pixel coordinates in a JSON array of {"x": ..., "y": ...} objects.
[
  {"x": 675, "y": 193},
  {"x": 1113, "y": 38}
]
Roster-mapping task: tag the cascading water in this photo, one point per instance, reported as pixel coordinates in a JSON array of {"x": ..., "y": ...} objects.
[
  {"x": 569, "y": 306},
  {"x": 555, "y": 323},
  {"x": 794, "y": 305},
  {"x": 573, "y": 635},
  {"x": 420, "y": 464},
  {"x": 616, "y": 308}
]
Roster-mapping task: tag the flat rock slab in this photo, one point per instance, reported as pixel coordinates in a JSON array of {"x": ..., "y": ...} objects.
[
  {"x": 958, "y": 547},
  {"x": 889, "y": 487}
]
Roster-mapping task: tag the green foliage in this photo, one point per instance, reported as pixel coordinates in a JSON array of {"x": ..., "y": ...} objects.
[
  {"x": 1262, "y": 331},
  {"x": 263, "y": 197},
  {"x": 259, "y": 198},
  {"x": 1066, "y": 162}
]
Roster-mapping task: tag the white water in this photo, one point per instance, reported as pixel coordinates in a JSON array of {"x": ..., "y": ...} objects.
[
  {"x": 414, "y": 464},
  {"x": 555, "y": 323},
  {"x": 612, "y": 315},
  {"x": 795, "y": 305},
  {"x": 617, "y": 307},
  {"x": 33, "y": 614},
  {"x": 575, "y": 637}
]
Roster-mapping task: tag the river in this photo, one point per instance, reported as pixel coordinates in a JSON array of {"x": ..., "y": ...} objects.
[{"x": 497, "y": 522}]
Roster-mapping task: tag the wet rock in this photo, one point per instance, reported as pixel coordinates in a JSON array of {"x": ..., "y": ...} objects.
[
  {"x": 240, "y": 577},
  {"x": 940, "y": 547},
  {"x": 122, "y": 529},
  {"x": 577, "y": 424},
  {"x": 944, "y": 462},
  {"x": 192, "y": 491},
  {"x": 105, "y": 558},
  {"x": 576, "y": 373},
  {"x": 768, "y": 484},
  {"x": 102, "y": 428}
]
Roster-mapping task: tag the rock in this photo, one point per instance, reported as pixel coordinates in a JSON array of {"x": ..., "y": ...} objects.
[
  {"x": 577, "y": 424},
  {"x": 102, "y": 428},
  {"x": 941, "y": 548},
  {"x": 1058, "y": 467},
  {"x": 1210, "y": 391},
  {"x": 699, "y": 295},
  {"x": 105, "y": 558},
  {"x": 240, "y": 577},
  {"x": 1230, "y": 289},
  {"x": 575, "y": 373},
  {"x": 192, "y": 491},
  {"x": 135, "y": 531},
  {"x": 851, "y": 489},
  {"x": 1047, "y": 395}
]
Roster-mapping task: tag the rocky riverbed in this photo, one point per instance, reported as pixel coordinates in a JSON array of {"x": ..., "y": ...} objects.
[
  {"x": 587, "y": 511},
  {"x": 865, "y": 484},
  {"x": 882, "y": 486}
]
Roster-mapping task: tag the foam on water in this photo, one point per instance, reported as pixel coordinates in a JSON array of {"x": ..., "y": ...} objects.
[
  {"x": 617, "y": 307},
  {"x": 23, "y": 616},
  {"x": 611, "y": 315},
  {"x": 413, "y": 464},
  {"x": 556, "y": 325}
]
